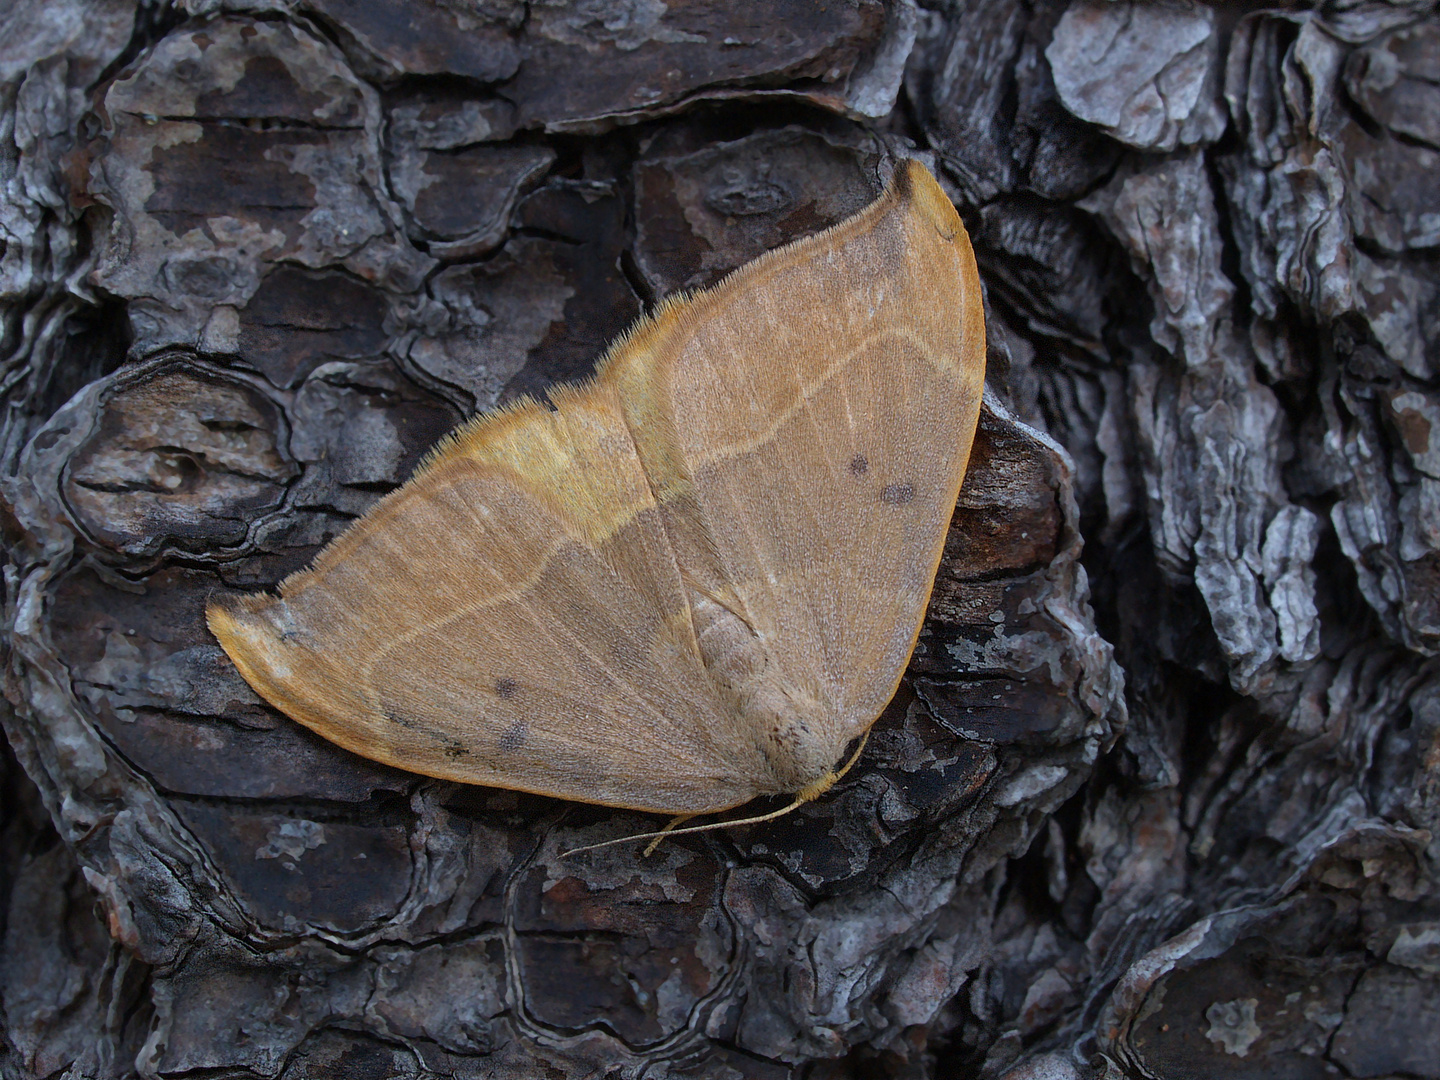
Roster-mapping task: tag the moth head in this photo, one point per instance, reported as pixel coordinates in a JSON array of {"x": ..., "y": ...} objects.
[{"x": 798, "y": 737}]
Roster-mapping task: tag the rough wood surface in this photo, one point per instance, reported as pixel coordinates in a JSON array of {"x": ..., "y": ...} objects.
[{"x": 1159, "y": 795}]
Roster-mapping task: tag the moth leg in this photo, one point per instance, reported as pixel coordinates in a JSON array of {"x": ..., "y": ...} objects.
[
  {"x": 678, "y": 819},
  {"x": 807, "y": 794}
]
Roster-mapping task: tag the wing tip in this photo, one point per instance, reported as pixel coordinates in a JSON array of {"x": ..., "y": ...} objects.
[
  {"x": 225, "y": 616},
  {"x": 916, "y": 189},
  {"x": 279, "y": 670},
  {"x": 912, "y": 185},
  {"x": 246, "y": 629}
]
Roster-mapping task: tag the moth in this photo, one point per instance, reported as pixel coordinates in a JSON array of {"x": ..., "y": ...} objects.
[{"x": 691, "y": 580}]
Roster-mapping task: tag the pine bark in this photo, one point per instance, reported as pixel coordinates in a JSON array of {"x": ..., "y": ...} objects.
[{"x": 1159, "y": 795}]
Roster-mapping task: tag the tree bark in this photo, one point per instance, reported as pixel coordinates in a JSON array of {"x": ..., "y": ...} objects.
[{"x": 1159, "y": 793}]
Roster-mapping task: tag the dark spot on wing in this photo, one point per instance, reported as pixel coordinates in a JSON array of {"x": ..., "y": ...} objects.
[
  {"x": 859, "y": 466},
  {"x": 515, "y": 737},
  {"x": 897, "y": 494},
  {"x": 395, "y": 718},
  {"x": 456, "y": 749},
  {"x": 506, "y": 688}
]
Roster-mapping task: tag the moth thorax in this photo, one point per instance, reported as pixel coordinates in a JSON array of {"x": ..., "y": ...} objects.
[{"x": 787, "y": 722}]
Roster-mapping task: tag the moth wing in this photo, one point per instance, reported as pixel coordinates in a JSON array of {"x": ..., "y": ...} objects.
[
  {"x": 813, "y": 420},
  {"x": 512, "y": 617}
]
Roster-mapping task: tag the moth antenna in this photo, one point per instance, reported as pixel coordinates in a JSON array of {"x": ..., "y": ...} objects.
[
  {"x": 808, "y": 793},
  {"x": 661, "y": 834}
]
